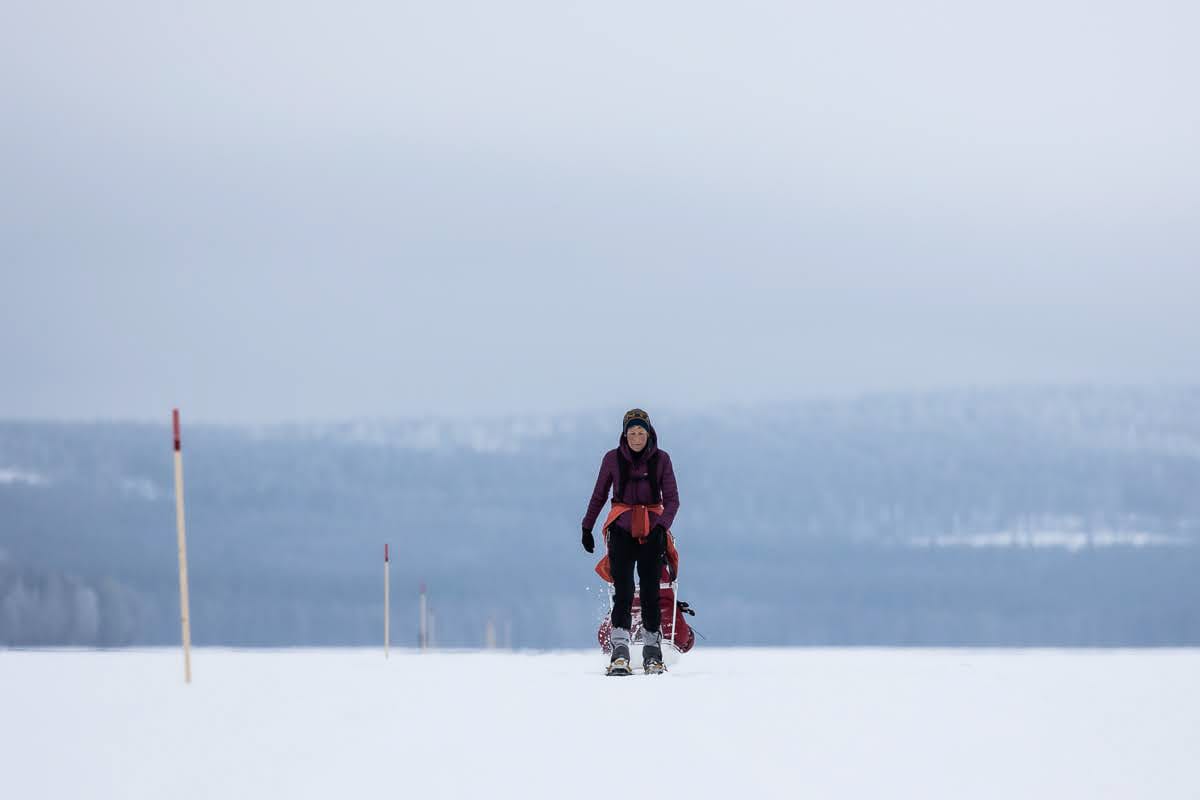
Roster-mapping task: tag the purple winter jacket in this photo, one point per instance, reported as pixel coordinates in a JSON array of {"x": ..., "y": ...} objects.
[{"x": 637, "y": 490}]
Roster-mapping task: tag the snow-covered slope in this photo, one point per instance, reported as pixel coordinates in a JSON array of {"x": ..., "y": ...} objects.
[{"x": 723, "y": 724}]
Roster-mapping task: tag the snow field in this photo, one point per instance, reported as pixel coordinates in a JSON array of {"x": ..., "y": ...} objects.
[{"x": 724, "y": 723}]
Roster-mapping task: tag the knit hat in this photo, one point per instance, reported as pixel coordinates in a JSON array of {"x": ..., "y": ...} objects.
[{"x": 635, "y": 416}]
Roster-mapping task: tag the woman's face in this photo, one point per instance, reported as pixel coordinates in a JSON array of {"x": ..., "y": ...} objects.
[{"x": 637, "y": 437}]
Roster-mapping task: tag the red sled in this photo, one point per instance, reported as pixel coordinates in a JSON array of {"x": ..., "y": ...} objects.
[{"x": 673, "y": 626}]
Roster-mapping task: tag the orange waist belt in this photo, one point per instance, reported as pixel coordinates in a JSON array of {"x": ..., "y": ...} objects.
[
  {"x": 641, "y": 518},
  {"x": 641, "y": 529}
]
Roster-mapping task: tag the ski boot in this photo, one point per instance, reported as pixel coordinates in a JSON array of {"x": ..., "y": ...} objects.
[
  {"x": 620, "y": 663},
  {"x": 652, "y": 658}
]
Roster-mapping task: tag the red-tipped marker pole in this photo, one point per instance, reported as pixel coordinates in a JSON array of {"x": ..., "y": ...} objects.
[
  {"x": 387, "y": 606},
  {"x": 184, "y": 615}
]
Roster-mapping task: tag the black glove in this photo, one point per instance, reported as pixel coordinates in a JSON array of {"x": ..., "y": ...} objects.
[
  {"x": 589, "y": 543},
  {"x": 658, "y": 540}
]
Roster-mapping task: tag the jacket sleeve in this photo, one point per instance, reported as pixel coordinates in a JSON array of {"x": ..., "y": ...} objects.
[
  {"x": 600, "y": 493},
  {"x": 670, "y": 493}
]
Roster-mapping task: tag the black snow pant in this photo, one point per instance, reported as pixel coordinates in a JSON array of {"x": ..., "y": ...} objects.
[{"x": 623, "y": 552}]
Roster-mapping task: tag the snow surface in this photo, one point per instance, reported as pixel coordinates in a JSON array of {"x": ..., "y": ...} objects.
[{"x": 801, "y": 723}]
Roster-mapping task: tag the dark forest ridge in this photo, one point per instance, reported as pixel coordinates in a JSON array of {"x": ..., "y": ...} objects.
[{"x": 1024, "y": 516}]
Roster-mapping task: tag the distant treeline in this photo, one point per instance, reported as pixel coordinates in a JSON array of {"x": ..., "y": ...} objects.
[{"x": 801, "y": 524}]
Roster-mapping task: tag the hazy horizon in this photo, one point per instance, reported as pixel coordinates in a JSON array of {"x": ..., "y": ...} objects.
[
  {"x": 1063, "y": 518},
  {"x": 597, "y": 413}
]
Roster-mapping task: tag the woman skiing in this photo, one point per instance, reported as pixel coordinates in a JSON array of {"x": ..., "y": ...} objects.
[{"x": 644, "y": 502}]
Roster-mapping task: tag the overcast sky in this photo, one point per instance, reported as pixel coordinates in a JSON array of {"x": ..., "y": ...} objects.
[{"x": 312, "y": 211}]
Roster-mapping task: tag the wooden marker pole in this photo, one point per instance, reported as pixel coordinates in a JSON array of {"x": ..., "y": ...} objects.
[
  {"x": 387, "y": 621},
  {"x": 423, "y": 621},
  {"x": 183, "y": 575}
]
